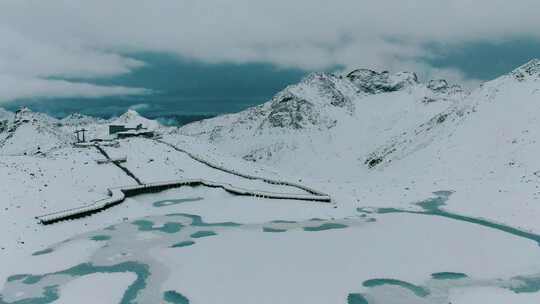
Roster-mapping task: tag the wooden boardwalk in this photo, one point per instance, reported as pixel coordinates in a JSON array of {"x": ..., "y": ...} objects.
[
  {"x": 119, "y": 194},
  {"x": 237, "y": 173}
]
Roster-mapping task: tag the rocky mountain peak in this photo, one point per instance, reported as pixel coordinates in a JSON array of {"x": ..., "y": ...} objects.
[
  {"x": 75, "y": 116},
  {"x": 5, "y": 117},
  {"x": 291, "y": 111},
  {"x": 76, "y": 119},
  {"x": 303, "y": 105},
  {"x": 132, "y": 118},
  {"x": 26, "y": 115},
  {"x": 23, "y": 111},
  {"x": 130, "y": 113},
  {"x": 438, "y": 84},
  {"x": 528, "y": 71},
  {"x": 373, "y": 82},
  {"x": 441, "y": 86},
  {"x": 327, "y": 86}
]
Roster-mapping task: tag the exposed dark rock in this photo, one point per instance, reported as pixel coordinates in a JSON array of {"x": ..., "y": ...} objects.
[
  {"x": 325, "y": 84},
  {"x": 530, "y": 69},
  {"x": 442, "y": 86},
  {"x": 292, "y": 112},
  {"x": 372, "y": 82},
  {"x": 442, "y": 118},
  {"x": 372, "y": 162},
  {"x": 438, "y": 85}
]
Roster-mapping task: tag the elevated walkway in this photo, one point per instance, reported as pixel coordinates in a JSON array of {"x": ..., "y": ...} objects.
[{"x": 119, "y": 194}]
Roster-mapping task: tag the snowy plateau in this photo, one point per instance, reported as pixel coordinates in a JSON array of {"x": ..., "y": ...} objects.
[{"x": 367, "y": 187}]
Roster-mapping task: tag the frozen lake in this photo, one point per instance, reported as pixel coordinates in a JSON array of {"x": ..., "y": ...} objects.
[{"x": 200, "y": 248}]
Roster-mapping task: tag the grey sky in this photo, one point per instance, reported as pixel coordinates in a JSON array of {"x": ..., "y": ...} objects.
[{"x": 43, "y": 40}]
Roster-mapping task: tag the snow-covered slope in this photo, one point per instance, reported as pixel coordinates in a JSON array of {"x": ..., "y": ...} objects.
[
  {"x": 486, "y": 149},
  {"x": 26, "y": 132},
  {"x": 78, "y": 120},
  {"x": 506, "y": 106},
  {"x": 329, "y": 118},
  {"x": 5, "y": 118},
  {"x": 132, "y": 118},
  {"x": 30, "y": 133}
]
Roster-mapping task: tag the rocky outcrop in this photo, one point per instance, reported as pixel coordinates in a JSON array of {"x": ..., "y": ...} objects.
[
  {"x": 372, "y": 82},
  {"x": 440, "y": 90},
  {"x": 290, "y": 111},
  {"x": 303, "y": 105},
  {"x": 77, "y": 119},
  {"x": 530, "y": 70}
]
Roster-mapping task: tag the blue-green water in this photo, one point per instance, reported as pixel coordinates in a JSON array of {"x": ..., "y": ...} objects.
[
  {"x": 356, "y": 298},
  {"x": 174, "y": 297},
  {"x": 51, "y": 293},
  {"x": 171, "y": 202},
  {"x": 32, "y": 279},
  {"x": 101, "y": 237},
  {"x": 183, "y": 244},
  {"x": 275, "y": 230},
  {"x": 169, "y": 227},
  {"x": 201, "y": 234},
  {"x": 527, "y": 284},
  {"x": 417, "y": 290},
  {"x": 42, "y": 252},
  {"x": 448, "y": 275},
  {"x": 123, "y": 243},
  {"x": 197, "y": 221},
  {"x": 434, "y": 204},
  {"x": 326, "y": 226},
  {"x": 433, "y": 291},
  {"x": 283, "y": 222},
  {"x": 432, "y": 207},
  {"x": 16, "y": 277},
  {"x": 179, "y": 228}
]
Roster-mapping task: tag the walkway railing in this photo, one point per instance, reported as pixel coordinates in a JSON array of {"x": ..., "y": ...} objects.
[
  {"x": 244, "y": 175},
  {"x": 119, "y": 194}
]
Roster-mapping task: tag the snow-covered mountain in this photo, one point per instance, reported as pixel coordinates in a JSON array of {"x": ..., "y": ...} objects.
[
  {"x": 132, "y": 119},
  {"x": 491, "y": 120},
  {"x": 27, "y": 132},
  {"x": 366, "y": 118},
  {"x": 5, "y": 118},
  {"x": 328, "y": 117},
  {"x": 79, "y": 120}
]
